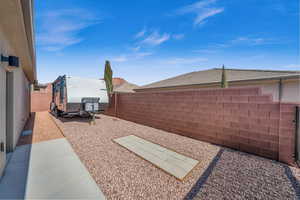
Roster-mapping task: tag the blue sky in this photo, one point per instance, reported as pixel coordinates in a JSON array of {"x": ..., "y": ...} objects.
[{"x": 150, "y": 40}]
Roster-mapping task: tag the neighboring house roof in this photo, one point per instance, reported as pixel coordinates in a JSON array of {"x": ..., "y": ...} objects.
[
  {"x": 118, "y": 81},
  {"x": 125, "y": 87},
  {"x": 214, "y": 76},
  {"x": 121, "y": 85}
]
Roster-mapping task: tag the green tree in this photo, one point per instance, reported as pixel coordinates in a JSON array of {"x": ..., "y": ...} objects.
[
  {"x": 108, "y": 73},
  {"x": 224, "y": 83}
]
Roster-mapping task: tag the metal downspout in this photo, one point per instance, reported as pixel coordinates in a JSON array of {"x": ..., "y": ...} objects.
[
  {"x": 116, "y": 104},
  {"x": 279, "y": 99},
  {"x": 280, "y": 90},
  {"x": 297, "y": 130}
]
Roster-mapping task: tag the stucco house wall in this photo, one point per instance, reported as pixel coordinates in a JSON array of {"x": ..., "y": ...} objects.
[
  {"x": 2, "y": 113},
  {"x": 271, "y": 88},
  {"x": 5, "y": 49},
  {"x": 16, "y": 39},
  {"x": 290, "y": 90},
  {"x": 21, "y": 102}
]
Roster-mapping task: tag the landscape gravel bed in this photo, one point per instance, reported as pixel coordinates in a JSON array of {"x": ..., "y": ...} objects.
[
  {"x": 238, "y": 175},
  {"x": 221, "y": 173}
]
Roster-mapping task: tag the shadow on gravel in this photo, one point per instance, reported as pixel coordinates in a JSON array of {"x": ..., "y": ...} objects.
[
  {"x": 238, "y": 175},
  {"x": 295, "y": 183},
  {"x": 76, "y": 118},
  {"x": 196, "y": 188}
]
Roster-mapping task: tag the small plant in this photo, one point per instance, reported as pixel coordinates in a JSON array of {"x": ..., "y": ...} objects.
[
  {"x": 224, "y": 83},
  {"x": 108, "y": 73}
]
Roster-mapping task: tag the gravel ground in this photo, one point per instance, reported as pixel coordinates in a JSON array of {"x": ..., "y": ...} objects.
[
  {"x": 238, "y": 175},
  {"x": 221, "y": 173}
]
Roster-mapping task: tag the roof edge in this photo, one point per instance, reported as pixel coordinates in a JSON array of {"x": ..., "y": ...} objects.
[
  {"x": 234, "y": 81},
  {"x": 259, "y": 70},
  {"x": 233, "y": 69}
]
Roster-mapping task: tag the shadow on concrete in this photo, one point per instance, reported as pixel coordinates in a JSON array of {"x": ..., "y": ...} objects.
[
  {"x": 13, "y": 183},
  {"x": 14, "y": 180}
]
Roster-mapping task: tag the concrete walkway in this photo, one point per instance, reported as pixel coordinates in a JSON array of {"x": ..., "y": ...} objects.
[
  {"x": 47, "y": 170},
  {"x": 170, "y": 161}
]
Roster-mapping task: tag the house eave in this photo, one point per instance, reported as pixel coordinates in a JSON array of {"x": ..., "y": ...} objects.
[{"x": 18, "y": 30}]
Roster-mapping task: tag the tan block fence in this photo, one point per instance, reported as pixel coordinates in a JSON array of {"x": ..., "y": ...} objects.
[
  {"x": 40, "y": 100},
  {"x": 239, "y": 118}
]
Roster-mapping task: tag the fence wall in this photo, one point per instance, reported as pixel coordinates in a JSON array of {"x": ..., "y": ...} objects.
[
  {"x": 240, "y": 118},
  {"x": 40, "y": 100}
]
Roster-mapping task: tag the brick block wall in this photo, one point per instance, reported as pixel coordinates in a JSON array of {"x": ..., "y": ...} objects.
[
  {"x": 287, "y": 132},
  {"x": 239, "y": 118},
  {"x": 111, "y": 109},
  {"x": 40, "y": 100}
]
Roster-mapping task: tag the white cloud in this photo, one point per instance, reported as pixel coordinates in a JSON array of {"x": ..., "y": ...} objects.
[
  {"x": 137, "y": 48},
  {"x": 292, "y": 66},
  {"x": 155, "y": 38},
  {"x": 205, "y": 51},
  {"x": 178, "y": 36},
  {"x": 141, "y": 33},
  {"x": 246, "y": 41},
  {"x": 183, "y": 61},
  {"x": 130, "y": 57},
  {"x": 208, "y": 13},
  {"x": 60, "y": 28},
  {"x": 202, "y": 9},
  {"x": 122, "y": 58},
  {"x": 143, "y": 54}
]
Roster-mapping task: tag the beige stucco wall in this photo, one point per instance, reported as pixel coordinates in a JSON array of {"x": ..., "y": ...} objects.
[
  {"x": 291, "y": 91},
  {"x": 20, "y": 103},
  {"x": 2, "y": 114},
  {"x": 4, "y": 48},
  {"x": 21, "y": 95},
  {"x": 272, "y": 88}
]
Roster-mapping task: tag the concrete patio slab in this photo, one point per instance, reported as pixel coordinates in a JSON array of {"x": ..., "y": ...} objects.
[
  {"x": 172, "y": 162},
  {"x": 47, "y": 170}
]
